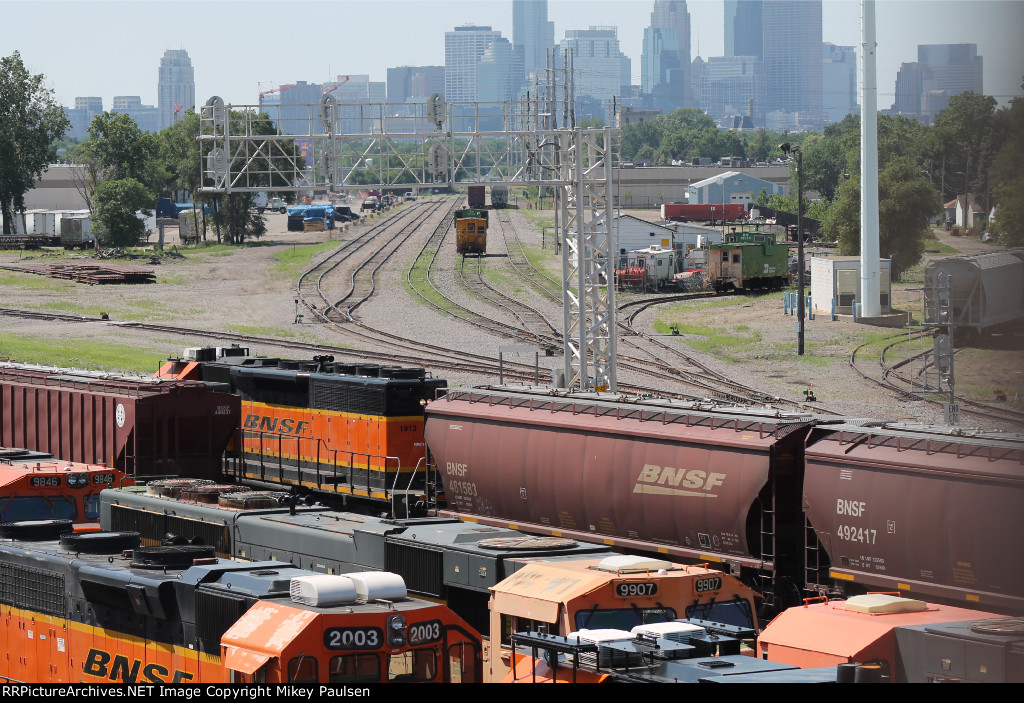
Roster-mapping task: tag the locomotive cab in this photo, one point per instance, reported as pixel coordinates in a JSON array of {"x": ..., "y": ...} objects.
[{"x": 615, "y": 593}]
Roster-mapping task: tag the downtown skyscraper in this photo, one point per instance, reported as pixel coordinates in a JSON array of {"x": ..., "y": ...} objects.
[
  {"x": 786, "y": 36},
  {"x": 532, "y": 34},
  {"x": 176, "y": 86},
  {"x": 463, "y": 49},
  {"x": 665, "y": 64}
]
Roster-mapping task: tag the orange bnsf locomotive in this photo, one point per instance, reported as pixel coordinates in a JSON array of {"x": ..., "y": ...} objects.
[
  {"x": 351, "y": 430},
  {"x": 35, "y": 486},
  {"x": 97, "y": 608}
]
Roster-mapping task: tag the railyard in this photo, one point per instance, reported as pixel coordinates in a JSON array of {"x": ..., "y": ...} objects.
[{"x": 417, "y": 288}]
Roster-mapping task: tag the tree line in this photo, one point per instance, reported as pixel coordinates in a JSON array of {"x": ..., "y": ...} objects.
[{"x": 971, "y": 148}]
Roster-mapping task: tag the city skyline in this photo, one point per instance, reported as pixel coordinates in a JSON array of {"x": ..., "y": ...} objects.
[{"x": 231, "y": 62}]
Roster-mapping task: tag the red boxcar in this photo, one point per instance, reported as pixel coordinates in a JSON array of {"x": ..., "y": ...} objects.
[
  {"x": 685, "y": 212},
  {"x": 139, "y": 425}
]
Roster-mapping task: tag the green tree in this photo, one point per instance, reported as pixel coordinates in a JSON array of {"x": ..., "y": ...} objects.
[
  {"x": 906, "y": 199},
  {"x": 178, "y": 150},
  {"x": 1007, "y": 176},
  {"x": 31, "y": 123},
  {"x": 116, "y": 203},
  {"x": 962, "y": 132}
]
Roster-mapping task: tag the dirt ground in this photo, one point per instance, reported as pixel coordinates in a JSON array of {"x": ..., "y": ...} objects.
[{"x": 246, "y": 290}]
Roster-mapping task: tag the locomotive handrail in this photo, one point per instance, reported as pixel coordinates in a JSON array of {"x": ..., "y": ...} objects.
[{"x": 808, "y": 601}]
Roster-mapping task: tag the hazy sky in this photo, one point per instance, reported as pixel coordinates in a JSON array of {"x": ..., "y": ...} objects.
[{"x": 109, "y": 48}]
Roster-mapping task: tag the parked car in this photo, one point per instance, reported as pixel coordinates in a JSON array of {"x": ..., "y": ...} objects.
[{"x": 344, "y": 213}]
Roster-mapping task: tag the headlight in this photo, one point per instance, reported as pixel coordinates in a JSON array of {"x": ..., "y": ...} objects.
[
  {"x": 78, "y": 480},
  {"x": 396, "y": 630}
]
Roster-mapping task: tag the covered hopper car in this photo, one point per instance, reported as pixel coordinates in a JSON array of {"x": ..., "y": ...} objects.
[
  {"x": 788, "y": 501},
  {"x": 984, "y": 290},
  {"x": 98, "y": 608},
  {"x": 139, "y": 425}
]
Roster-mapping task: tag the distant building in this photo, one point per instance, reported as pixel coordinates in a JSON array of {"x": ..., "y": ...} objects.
[
  {"x": 601, "y": 70},
  {"x": 731, "y": 187},
  {"x": 839, "y": 82},
  {"x": 728, "y": 87},
  {"x": 665, "y": 64},
  {"x": 500, "y": 72},
  {"x": 145, "y": 116},
  {"x": 923, "y": 89},
  {"x": 532, "y": 35},
  {"x": 176, "y": 86},
  {"x": 463, "y": 49},
  {"x": 743, "y": 32},
  {"x": 80, "y": 116},
  {"x": 413, "y": 83},
  {"x": 630, "y": 115},
  {"x": 791, "y": 61},
  {"x": 292, "y": 113}
]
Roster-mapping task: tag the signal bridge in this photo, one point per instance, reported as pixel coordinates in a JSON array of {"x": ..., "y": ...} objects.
[{"x": 333, "y": 146}]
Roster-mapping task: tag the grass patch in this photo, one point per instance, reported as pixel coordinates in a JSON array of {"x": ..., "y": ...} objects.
[
  {"x": 711, "y": 340},
  {"x": 291, "y": 261},
  {"x": 416, "y": 283},
  {"x": 934, "y": 245},
  {"x": 540, "y": 218},
  {"x": 280, "y": 332},
  {"x": 505, "y": 279},
  {"x": 89, "y": 354},
  {"x": 31, "y": 281}
]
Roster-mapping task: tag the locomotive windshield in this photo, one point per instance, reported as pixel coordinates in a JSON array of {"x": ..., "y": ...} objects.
[{"x": 621, "y": 618}]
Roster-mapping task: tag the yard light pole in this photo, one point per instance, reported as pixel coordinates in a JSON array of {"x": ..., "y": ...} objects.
[
  {"x": 721, "y": 185},
  {"x": 789, "y": 149}
]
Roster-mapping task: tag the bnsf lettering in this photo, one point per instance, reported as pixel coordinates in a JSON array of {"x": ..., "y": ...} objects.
[
  {"x": 278, "y": 425},
  {"x": 98, "y": 664},
  {"x": 456, "y": 469},
  {"x": 851, "y": 507},
  {"x": 694, "y": 478}
]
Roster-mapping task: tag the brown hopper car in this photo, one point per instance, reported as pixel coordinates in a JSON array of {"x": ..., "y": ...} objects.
[{"x": 138, "y": 425}]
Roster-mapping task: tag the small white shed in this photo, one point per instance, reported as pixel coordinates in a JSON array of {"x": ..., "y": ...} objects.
[{"x": 838, "y": 279}]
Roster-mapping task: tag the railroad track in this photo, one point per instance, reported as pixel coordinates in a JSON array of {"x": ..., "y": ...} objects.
[{"x": 889, "y": 377}]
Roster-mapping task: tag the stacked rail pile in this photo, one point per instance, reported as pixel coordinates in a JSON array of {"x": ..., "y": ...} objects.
[{"x": 90, "y": 273}]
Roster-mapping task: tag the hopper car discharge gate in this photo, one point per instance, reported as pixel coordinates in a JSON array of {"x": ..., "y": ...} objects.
[{"x": 534, "y": 142}]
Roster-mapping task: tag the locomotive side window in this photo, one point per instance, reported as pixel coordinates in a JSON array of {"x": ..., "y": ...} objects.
[
  {"x": 92, "y": 506},
  {"x": 736, "y": 258},
  {"x": 302, "y": 669},
  {"x": 414, "y": 665},
  {"x": 725, "y": 257},
  {"x": 355, "y": 668}
]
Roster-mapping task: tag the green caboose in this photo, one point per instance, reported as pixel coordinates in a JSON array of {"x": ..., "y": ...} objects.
[{"x": 748, "y": 261}]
